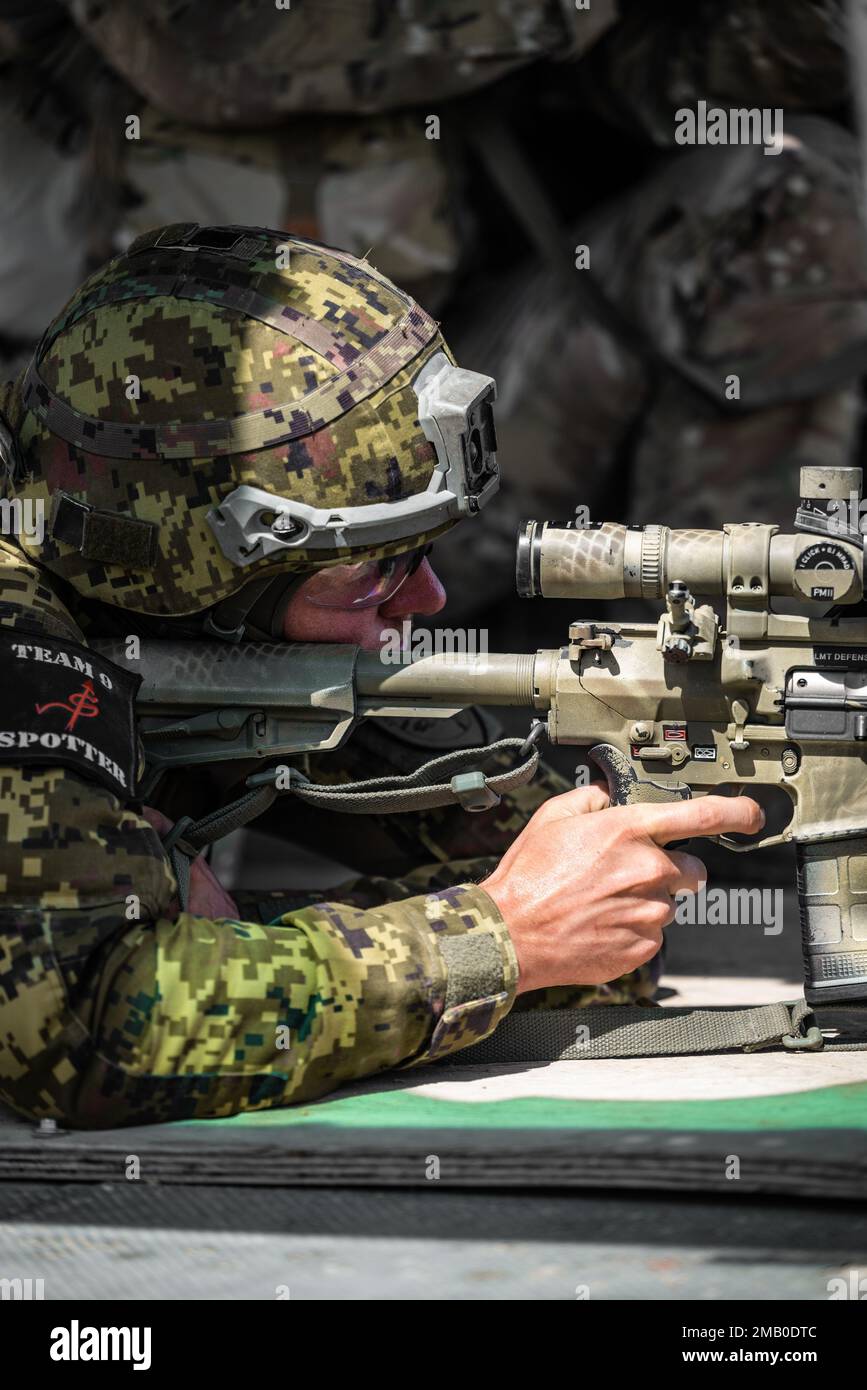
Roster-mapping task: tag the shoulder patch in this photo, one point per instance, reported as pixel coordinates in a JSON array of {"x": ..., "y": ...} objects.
[{"x": 65, "y": 706}]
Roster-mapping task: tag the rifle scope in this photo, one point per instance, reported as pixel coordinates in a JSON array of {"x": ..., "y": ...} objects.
[
  {"x": 610, "y": 561},
  {"x": 748, "y": 562}
]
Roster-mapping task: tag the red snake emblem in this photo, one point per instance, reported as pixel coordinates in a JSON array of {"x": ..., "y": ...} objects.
[{"x": 82, "y": 704}]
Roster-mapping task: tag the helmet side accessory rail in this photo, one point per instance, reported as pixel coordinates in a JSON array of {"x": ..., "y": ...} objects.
[{"x": 456, "y": 416}]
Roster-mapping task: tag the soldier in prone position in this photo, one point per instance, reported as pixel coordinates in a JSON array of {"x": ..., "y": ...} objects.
[{"x": 191, "y": 422}]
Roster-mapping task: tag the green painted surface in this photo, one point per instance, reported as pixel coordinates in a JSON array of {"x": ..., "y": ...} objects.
[{"x": 831, "y": 1107}]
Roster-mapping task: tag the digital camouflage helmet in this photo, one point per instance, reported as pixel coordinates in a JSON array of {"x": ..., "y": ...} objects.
[{"x": 220, "y": 411}]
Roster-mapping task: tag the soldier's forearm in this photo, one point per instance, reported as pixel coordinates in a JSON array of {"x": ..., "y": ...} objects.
[{"x": 116, "y": 1011}]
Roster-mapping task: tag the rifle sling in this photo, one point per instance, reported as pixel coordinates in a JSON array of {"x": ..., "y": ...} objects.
[
  {"x": 452, "y": 779},
  {"x": 631, "y": 1030},
  {"x": 541, "y": 1035}
]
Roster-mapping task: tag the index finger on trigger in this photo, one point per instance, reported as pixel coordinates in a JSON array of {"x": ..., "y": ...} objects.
[{"x": 706, "y": 815}]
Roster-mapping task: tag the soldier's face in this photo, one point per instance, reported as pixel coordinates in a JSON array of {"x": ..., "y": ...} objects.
[{"x": 369, "y": 628}]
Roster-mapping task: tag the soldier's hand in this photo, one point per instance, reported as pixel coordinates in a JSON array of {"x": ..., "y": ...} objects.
[
  {"x": 207, "y": 896},
  {"x": 587, "y": 888}
]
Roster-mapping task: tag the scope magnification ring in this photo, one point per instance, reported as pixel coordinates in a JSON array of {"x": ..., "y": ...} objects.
[{"x": 651, "y": 562}]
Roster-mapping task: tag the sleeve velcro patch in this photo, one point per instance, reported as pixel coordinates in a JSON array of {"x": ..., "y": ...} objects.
[{"x": 63, "y": 706}]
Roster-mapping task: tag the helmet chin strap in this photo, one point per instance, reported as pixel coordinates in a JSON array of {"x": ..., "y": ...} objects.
[{"x": 257, "y": 611}]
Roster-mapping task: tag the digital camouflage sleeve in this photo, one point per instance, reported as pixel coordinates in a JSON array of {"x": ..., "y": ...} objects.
[
  {"x": 110, "y": 1016},
  {"x": 116, "y": 1008}
]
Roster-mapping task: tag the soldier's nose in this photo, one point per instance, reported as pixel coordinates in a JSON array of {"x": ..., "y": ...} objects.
[{"x": 422, "y": 593}]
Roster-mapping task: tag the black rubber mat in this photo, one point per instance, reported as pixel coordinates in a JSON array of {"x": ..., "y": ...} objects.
[{"x": 807, "y": 1163}]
